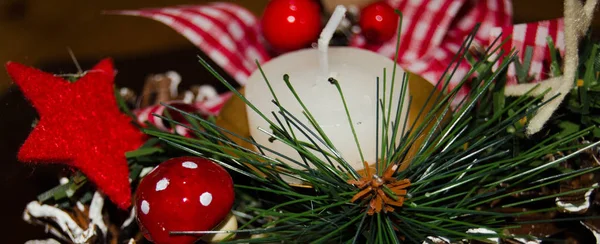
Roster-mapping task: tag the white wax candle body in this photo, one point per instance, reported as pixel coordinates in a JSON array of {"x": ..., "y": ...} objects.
[{"x": 355, "y": 69}]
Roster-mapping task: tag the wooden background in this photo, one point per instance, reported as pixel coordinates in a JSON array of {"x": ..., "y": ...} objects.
[
  {"x": 38, "y": 32},
  {"x": 34, "y": 31}
]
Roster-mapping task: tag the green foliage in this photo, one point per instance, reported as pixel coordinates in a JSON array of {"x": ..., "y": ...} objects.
[
  {"x": 582, "y": 105},
  {"x": 64, "y": 191},
  {"x": 464, "y": 174}
]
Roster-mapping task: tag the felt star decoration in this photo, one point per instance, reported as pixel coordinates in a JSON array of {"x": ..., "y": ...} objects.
[{"x": 80, "y": 126}]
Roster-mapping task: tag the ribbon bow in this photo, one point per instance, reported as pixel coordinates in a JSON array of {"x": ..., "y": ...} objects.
[{"x": 432, "y": 32}]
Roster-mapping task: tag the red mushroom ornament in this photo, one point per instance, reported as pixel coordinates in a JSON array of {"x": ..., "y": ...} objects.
[{"x": 183, "y": 194}]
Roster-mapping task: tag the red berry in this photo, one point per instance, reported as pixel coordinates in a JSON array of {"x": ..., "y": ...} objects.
[
  {"x": 291, "y": 24},
  {"x": 183, "y": 194},
  {"x": 378, "y": 22}
]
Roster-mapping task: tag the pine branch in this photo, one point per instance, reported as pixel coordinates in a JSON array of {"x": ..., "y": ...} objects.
[{"x": 460, "y": 162}]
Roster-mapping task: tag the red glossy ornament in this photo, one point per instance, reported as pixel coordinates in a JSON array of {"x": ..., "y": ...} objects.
[
  {"x": 291, "y": 24},
  {"x": 378, "y": 22},
  {"x": 183, "y": 194}
]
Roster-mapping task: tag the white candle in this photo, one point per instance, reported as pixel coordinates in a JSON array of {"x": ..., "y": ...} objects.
[{"x": 355, "y": 69}]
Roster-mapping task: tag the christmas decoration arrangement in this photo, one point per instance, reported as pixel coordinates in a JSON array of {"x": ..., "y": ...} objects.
[{"x": 336, "y": 144}]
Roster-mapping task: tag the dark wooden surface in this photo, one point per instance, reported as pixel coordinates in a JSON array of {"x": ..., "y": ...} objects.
[{"x": 39, "y": 31}]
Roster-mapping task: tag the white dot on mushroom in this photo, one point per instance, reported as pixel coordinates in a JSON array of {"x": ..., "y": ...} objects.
[
  {"x": 205, "y": 199},
  {"x": 189, "y": 165},
  {"x": 145, "y": 207},
  {"x": 162, "y": 184}
]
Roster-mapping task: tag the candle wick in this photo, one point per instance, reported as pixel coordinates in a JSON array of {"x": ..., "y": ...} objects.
[{"x": 325, "y": 38}]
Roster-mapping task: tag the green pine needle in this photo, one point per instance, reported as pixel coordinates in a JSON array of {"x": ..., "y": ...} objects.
[{"x": 475, "y": 154}]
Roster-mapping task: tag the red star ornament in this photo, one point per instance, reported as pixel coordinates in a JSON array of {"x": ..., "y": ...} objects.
[{"x": 80, "y": 126}]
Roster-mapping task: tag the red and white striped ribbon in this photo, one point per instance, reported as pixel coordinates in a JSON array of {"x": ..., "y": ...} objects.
[
  {"x": 209, "y": 107},
  {"x": 227, "y": 33},
  {"x": 532, "y": 35},
  {"x": 432, "y": 32}
]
